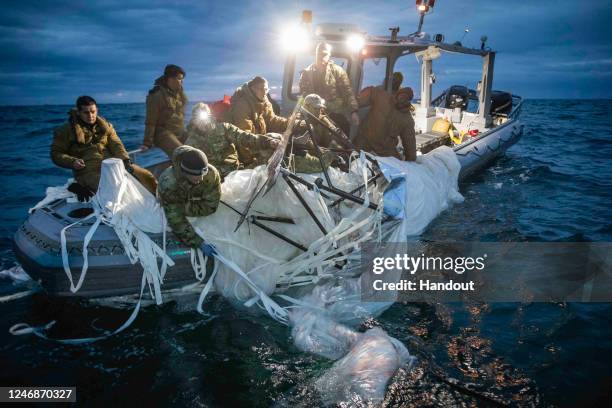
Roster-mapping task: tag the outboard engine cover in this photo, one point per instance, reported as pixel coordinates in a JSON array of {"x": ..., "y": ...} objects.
[
  {"x": 501, "y": 102},
  {"x": 457, "y": 97}
]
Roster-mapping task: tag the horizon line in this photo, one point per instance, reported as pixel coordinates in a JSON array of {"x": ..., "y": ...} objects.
[{"x": 207, "y": 102}]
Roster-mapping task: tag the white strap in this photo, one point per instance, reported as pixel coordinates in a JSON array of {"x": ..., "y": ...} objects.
[
  {"x": 88, "y": 236},
  {"x": 21, "y": 329}
]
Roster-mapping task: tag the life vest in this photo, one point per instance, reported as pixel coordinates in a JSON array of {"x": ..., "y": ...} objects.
[{"x": 219, "y": 108}]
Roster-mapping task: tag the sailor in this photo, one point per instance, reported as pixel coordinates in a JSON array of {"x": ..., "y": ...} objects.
[
  {"x": 330, "y": 81},
  {"x": 396, "y": 81},
  {"x": 84, "y": 141},
  {"x": 166, "y": 101},
  {"x": 389, "y": 117},
  {"x": 191, "y": 187},
  {"x": 223, "y": 143},
  {"x": 324, "y": 134},
  {"x": 251, "y": 110}
]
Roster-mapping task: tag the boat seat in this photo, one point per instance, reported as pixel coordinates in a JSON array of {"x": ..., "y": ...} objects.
[{"x": 426, "y": 142}]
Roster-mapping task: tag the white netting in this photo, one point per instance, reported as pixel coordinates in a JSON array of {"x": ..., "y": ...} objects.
[{"x": 321, "y": 319}]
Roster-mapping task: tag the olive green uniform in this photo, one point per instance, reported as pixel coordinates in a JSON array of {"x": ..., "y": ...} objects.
[
  {"x": 181, "y": 199},
  {"x": 93, "y": 144},
  {"x": 323, "y": 136},
  {"x": 164, "y": 122},
  {"x": 332, "y": 84},
  {"x": 224, "y": 143},
  {"x": 252, "y": 114}
]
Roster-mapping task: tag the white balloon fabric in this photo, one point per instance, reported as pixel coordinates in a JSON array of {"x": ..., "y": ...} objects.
[
  {"x": 253, "y": 264},
  {"x": 420, "y": 190}
]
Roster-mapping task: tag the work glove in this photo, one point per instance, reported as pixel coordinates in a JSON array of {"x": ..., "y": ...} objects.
[
  {"x": 300, "y": 126},
  {"x": 128, "y": 166},
  {"x": 208, "y": 249},
  {"x": 271, "y": 140},
  {"x": 83, "y": 193}
]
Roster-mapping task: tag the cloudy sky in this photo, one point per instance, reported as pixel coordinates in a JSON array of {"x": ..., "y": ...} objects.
[{"x": 52, "y": 52}]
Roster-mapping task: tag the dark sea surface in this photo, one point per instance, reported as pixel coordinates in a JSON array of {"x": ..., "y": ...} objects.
[{"x": 554, "y": 185}]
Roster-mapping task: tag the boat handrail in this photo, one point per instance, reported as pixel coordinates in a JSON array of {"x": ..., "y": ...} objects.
[
  {"x": 438, "y": 98},
  {"x": 133, "y": 153},
  {"x": 516, "y": 107}
]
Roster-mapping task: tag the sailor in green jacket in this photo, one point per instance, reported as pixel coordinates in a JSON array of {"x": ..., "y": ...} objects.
[
  {"x": 84, "y": 142},
  {"x": 331, "y": 82},
  {"x": 191, "y": 187},
  {"x": 223, "y": 142},
  {"x": 164, "y": 122}
]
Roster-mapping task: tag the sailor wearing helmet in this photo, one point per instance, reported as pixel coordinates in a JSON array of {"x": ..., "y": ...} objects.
[
  {"x": 222, "y": 142},
  {"x": 191, "y": 187}
]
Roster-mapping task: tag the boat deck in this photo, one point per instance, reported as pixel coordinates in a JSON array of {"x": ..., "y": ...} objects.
[{"x": 426, "y": 142}]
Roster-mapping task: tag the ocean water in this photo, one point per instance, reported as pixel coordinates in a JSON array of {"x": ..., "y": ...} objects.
[{"x": 554, "y": 185}]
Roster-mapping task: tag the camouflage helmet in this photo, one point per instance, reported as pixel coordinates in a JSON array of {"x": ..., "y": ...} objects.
[
  {"x": 200, "y": 108},
  {"x": 314, "y": 102}
]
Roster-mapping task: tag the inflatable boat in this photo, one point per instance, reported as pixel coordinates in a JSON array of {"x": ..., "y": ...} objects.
[
  {"x": 37, "y": 242},
  {"x": 480, "y": 126}
]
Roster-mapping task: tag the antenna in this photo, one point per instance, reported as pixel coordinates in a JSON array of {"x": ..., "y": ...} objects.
[{"x": 423, "y": 6}]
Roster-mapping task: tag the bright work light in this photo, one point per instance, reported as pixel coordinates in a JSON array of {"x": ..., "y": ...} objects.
[
  {"x": 294, "y": 38},
  {"x": 355, "y": 42},
  {"x": 424, "y": 5},
  {"x": 203, "y": 116}
]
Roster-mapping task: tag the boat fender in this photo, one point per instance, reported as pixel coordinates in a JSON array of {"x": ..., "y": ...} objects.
[{"x": 441, "y": 126}]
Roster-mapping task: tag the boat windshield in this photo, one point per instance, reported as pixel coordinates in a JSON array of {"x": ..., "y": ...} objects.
[{"x": 374, "y": 70}]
